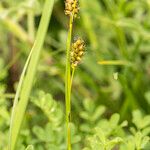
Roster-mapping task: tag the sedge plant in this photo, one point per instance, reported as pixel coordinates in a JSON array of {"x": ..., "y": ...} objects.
[{"x": 74, "y": 52}]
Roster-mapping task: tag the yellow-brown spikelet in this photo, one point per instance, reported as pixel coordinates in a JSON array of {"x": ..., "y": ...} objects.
[
  {"x": 71, "y": 8},
  {"x": 78, "y": 49}
]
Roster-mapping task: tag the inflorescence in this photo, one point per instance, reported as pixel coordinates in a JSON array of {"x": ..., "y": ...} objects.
[
  {"x": 78, "y": 50},
  {"x": 71, "y": 7}
]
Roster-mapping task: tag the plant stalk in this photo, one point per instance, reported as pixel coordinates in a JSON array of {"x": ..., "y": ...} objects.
[{"x": 68, "y": 84}]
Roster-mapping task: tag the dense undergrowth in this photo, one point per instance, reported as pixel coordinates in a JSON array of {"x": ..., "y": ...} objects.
[{"x": 111, "y": 86}]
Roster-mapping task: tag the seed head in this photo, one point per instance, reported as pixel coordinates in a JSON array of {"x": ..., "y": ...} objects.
[
  {"x": 77, "y": 52},
  {"x": 71, "y": 8}
]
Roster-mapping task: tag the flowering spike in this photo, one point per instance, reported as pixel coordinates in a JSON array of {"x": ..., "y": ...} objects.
[
  {"x": 71, "y": 8},
  {"x": 77, "y": 52}
]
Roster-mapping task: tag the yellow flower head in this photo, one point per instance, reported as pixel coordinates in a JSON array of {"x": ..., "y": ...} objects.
[
  {"x": 71, "y": 8},
  {"x": 78, "y": 50}
]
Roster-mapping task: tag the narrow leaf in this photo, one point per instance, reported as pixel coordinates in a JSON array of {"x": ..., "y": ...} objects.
[{"x": 25, "y": 84}]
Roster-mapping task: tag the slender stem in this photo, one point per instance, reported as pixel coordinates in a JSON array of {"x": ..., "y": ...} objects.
[
  {"x": 72, "y": 75},
  {"x": 68, "y": 84},
  {"x": 71, "y": 80}
]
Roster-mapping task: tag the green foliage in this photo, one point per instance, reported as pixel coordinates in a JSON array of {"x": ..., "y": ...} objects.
[
  {"x": 110, "y": 134},
  {"x": 53, "y": 133},
  {"x": 89, "y": 110},
  {"x": 49, "y": 107},
  {"x": 110, "y": 103}
]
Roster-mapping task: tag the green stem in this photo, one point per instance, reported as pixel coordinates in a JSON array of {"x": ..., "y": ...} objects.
[
  {"x": 72, "y": 75},
  {"x": 71, "y": 80},
  {"x": 68, "y": 84}
]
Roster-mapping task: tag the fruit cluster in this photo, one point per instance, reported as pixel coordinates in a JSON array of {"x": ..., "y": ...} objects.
[
  {"x": 71, "y": 8},
  {"x": 78, "y": 50}
]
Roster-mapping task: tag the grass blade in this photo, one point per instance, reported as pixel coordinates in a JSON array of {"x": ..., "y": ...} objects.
[
  {"x": 114, "y": 62},
  {"x": 25, "y": 83}
]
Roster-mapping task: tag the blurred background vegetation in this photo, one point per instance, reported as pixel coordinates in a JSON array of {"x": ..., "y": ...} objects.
[{"x": 110, "y": 103}]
